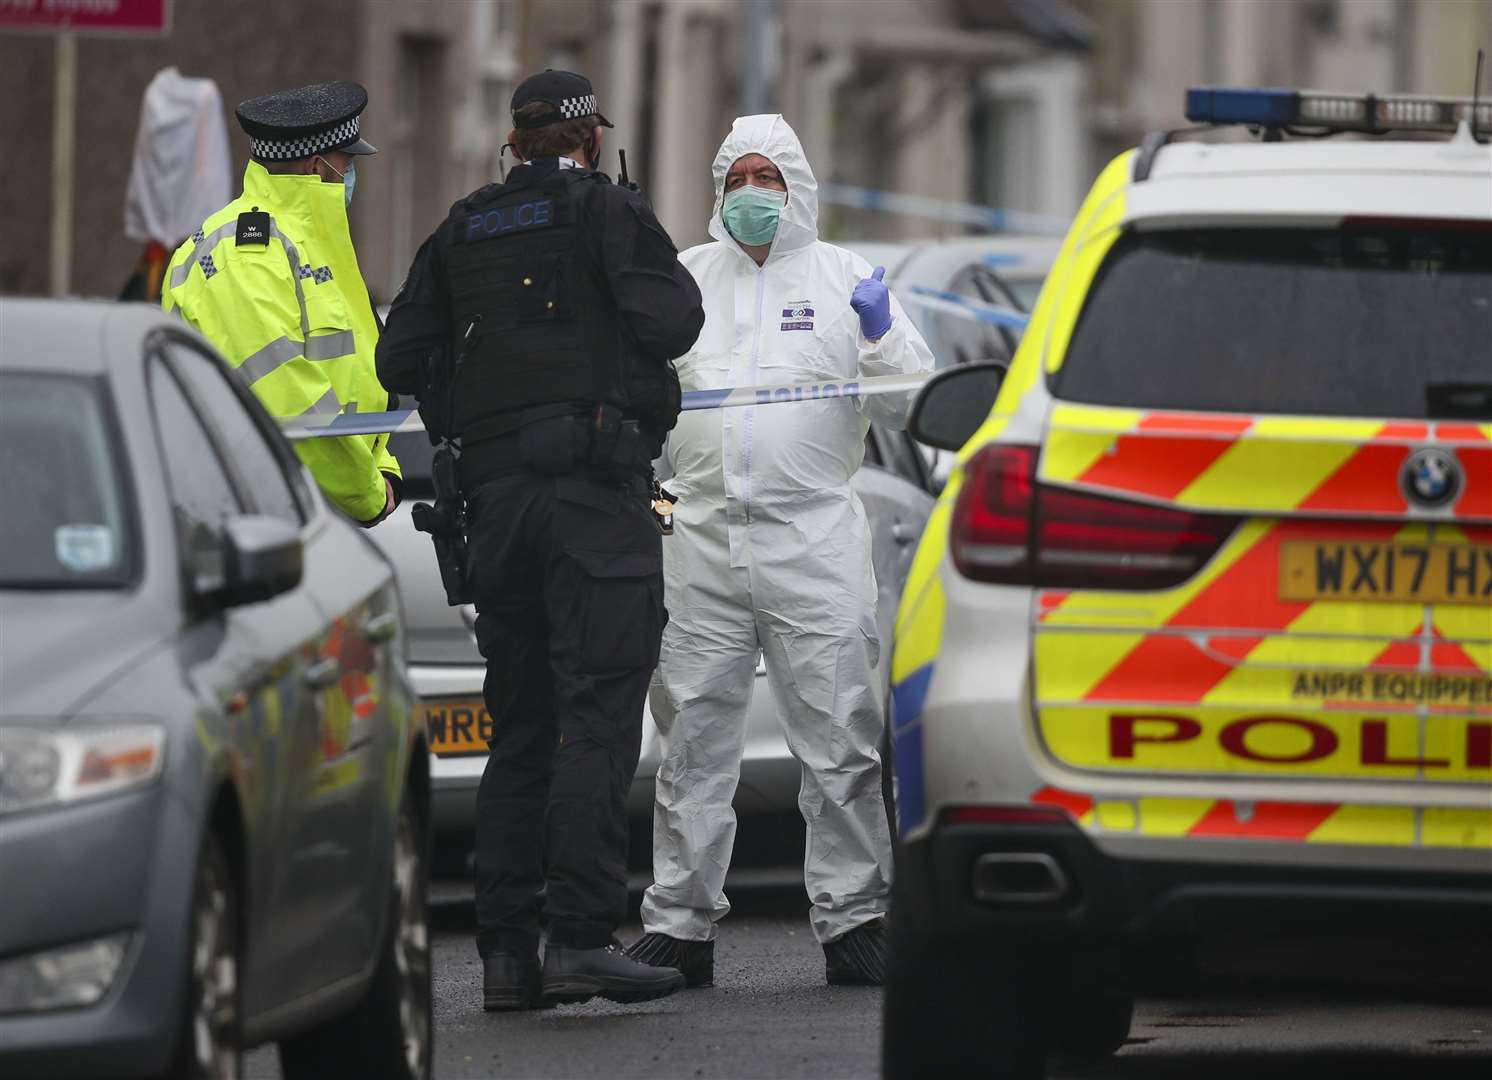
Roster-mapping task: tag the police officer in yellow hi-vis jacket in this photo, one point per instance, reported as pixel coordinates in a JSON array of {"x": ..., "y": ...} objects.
[{"x": 272, "y": 280}]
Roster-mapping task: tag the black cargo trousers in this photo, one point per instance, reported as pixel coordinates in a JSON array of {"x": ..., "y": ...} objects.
[{"x": 567, "y": 576}]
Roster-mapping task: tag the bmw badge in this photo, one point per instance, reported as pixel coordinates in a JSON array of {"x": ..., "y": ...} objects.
[{"x": 1431, "y": 478}]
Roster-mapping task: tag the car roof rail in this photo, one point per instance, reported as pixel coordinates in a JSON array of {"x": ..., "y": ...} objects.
[{"x": 1145, "y": 157}]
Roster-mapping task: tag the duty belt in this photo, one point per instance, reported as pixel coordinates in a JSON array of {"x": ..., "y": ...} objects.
[
  {"x": 557, "y": 446},
  {"x": 489, "y": 458}
]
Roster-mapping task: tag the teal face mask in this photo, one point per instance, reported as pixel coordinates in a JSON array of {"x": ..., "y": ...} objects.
[{"x": 751, "y": 213}]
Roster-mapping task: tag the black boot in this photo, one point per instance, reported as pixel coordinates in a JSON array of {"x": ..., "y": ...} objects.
[
  {"x": 572, "y": 975},
  {"x": 857, "y": 957},
  {"x": 511, "y": 981},
  {"x": 696, "y": 959}
]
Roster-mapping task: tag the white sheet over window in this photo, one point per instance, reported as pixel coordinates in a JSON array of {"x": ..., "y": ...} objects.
[{"x": 180, "y": 173}]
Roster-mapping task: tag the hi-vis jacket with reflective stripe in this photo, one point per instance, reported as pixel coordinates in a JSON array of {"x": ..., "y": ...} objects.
[{"x": 293, "y": 318}]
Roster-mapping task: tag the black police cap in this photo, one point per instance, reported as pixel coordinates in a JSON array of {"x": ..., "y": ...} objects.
[
  {"x": 291, "y": 124},
  {"x": 569, "y": 96}
]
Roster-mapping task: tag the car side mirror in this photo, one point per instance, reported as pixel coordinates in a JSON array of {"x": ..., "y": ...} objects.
[
  {"x": 262, "y": 557},
  {"x": 954, "y": 403}
]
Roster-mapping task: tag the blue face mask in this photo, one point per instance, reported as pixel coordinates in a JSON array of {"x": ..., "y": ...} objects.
[
  {"x": 751, "y": 213},
  {"x": 349, "y": 180}
]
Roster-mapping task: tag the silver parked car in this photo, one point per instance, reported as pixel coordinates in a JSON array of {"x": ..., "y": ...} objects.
[
  {"x": 933, "y": 278},
  {"x": 447, "y": 671},
  {"x": 213, "y": 800}
]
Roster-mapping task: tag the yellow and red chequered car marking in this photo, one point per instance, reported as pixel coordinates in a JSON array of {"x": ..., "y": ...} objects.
[
  {"x": 1469, "y": 626},
  {"x": 1242, "y": 669},
  {"x": 1300, "y": 822},
  {"x": 1143, "y": 610},
  {"x": 1231, "y": 680},
  {"x": 1118, "y": 449},
  {"x": 1476, "y": 499},
  {"x": 1128, "y": 639},
  {"x": 1318, "y": 465}
]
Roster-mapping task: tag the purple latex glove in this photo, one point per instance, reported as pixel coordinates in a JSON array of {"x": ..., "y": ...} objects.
[{"x": 872, "y": 302}]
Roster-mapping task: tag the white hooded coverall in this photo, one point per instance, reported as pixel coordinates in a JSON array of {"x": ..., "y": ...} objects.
[{"x": 771, "y": 552}]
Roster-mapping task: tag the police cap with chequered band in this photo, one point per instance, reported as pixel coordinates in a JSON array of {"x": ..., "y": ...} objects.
[
  {"x": 292, "y": 124},
  {"x": 569, "y": 96}
]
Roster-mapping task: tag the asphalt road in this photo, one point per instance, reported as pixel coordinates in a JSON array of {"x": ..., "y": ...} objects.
[{"x": 771, "y": 1015}]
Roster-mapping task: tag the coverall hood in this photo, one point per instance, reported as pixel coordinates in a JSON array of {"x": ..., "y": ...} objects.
[{"x": 769, "y": 135}]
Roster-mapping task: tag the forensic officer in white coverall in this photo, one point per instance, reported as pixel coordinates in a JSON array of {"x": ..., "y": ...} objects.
[{"x": 772, "y": 553}]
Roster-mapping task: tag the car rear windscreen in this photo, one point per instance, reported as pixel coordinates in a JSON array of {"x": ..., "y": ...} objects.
[
  {"x": 64, "y": 522},
  {"x": 1365, "y": 319}
]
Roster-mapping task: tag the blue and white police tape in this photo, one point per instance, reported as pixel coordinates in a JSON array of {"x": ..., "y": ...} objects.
[
  {"x": 730, "y": 397},
  {"x": 962, "y": 307},
  {"x": 963, "y": 213}
]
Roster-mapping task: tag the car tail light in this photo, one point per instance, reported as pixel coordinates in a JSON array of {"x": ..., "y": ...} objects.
[
  {"x": 1010, "y": 530},
  {"x": 1005, "y": 815}
]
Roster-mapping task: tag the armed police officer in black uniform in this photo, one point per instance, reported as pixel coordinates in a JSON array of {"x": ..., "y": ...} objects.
[{"x": 537, "y": 327}]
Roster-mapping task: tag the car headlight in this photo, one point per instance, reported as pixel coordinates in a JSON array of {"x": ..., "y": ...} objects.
[{"x": 50, "y": 766}]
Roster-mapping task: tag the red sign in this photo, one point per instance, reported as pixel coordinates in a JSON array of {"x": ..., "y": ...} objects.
[{"x": 87, "y": 16}]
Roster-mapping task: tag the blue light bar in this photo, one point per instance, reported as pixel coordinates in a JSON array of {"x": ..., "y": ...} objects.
[
  {"x": 1328, "y": 111},
  {"x": 1225, "y": 105}
]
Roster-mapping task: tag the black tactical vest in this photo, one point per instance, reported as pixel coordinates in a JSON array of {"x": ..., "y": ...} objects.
[{"x": 549, "y": 333}]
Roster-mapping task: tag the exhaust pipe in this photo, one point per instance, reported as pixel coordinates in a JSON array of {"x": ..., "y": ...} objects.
[{"x": 1020, "y": 877}]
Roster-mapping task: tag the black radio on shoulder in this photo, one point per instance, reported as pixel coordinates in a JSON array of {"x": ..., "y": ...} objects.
[{"x": 253, "y": 227}]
